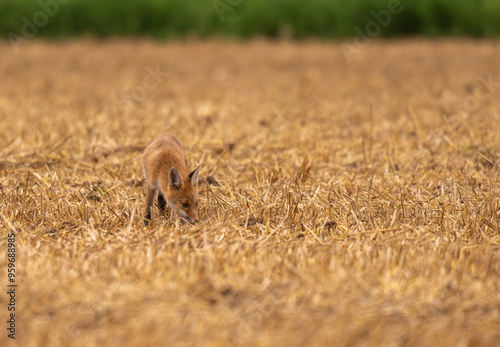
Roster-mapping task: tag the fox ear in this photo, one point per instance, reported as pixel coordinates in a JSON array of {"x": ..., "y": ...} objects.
[
  {"x": 175, "y": 178},
  {"x": 193, "y": 176}
]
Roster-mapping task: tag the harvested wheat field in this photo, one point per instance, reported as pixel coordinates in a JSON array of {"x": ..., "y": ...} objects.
[{"x": 340, "y": 204}]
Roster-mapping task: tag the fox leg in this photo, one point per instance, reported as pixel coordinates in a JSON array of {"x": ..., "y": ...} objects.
[
  {"x": 150, "y": 196},
  {"x": 162, "y": 203}
]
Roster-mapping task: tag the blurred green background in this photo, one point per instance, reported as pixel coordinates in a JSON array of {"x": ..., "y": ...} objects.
[{"x": 246, "y": 18}]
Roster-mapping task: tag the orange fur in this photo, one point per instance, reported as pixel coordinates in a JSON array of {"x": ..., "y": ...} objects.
[{"x": 165, "y": 169}]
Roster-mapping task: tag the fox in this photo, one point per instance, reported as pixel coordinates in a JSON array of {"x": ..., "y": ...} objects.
[{"x": 166, "y": 173}]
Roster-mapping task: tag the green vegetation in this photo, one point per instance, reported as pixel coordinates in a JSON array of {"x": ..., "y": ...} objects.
[{"x": 245, "y": 18}]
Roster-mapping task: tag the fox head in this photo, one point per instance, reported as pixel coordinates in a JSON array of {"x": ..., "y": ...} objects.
[{"x": 182, "y": 194}]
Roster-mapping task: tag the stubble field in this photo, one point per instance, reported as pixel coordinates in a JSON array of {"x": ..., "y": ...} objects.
[{"x": 341, "y": 204}]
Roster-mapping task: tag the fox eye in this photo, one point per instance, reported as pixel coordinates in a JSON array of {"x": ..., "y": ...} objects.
[{"x": 185, "y": 205}]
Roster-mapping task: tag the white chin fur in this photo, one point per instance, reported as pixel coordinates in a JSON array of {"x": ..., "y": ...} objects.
[
  {"x": 183, "y": 214},
  {"x": 171, "y": 204}
]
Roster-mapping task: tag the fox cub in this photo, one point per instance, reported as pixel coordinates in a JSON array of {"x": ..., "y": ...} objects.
[{"x": 165, "y": 169}]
